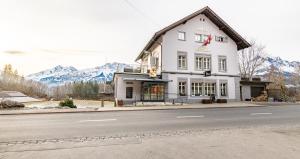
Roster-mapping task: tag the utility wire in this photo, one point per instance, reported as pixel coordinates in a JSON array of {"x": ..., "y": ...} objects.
[{"x": 141, "y": 12}]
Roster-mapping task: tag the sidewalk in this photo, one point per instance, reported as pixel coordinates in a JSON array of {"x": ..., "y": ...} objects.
[{"x": 131, "y": 108}]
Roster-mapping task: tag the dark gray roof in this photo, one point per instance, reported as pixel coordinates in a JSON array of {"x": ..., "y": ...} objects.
[
  {"x": 128, "y": 76},
  {"x": 239, "y": 40}
]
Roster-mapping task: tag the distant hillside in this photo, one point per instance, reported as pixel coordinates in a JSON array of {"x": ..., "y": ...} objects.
[
  {"x": 288, "y": 67},
  {"x": 60, "y": 75}
]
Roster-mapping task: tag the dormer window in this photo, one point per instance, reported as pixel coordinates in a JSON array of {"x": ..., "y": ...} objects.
[{"x": 181, "y": 35}]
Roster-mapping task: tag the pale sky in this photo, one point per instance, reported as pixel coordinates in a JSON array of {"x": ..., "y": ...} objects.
[{"x": 40, "y": 34}]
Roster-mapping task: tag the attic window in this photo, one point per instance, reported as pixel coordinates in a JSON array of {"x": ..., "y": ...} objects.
[
  {"x": 202, "y": 19},
  {"x": 181, "y": 35},
  {"x": 221, "y": 39}
]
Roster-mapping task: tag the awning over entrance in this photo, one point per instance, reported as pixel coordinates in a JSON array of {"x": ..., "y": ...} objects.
[{"x": 146, "y": 80}]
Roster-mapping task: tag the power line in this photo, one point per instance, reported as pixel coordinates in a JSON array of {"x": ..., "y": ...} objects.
[{"x": 140, "y": 12}]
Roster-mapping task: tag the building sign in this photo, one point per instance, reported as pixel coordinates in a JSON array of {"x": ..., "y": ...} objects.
[
  {"x": 202, "y": 49},
  {"x": 207, "y": 73}
]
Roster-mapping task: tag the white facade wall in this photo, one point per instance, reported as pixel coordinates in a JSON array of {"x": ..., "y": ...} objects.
[
  {"x": 120, "y": 89},
  {"x": 246, "y": 92},
  {"x": 173, "y": 86},
  {"x": 166, "y": 50},
  {"x": 171, "y": 45},
  {"x": 154, "y": 52}
]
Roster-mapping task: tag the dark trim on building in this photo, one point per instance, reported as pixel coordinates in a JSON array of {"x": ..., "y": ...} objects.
[{"x": 193, "y": 73}]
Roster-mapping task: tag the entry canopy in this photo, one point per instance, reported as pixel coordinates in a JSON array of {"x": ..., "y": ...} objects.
[{"x": 146, "y": 80}]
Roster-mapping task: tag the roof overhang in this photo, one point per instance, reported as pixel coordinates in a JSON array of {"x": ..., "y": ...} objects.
[
  {"x": 146, "y": 80},
  {"x": 255, "y": 82},
  {"x": 238, "y": 39}
]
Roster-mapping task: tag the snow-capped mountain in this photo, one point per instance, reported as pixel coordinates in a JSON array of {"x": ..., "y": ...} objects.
[
  {"x": 60, "y": 75},
  {"x": 288, "y": 67}
]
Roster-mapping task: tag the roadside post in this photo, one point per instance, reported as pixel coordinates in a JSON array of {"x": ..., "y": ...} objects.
[{"x": 102, "y": 103}]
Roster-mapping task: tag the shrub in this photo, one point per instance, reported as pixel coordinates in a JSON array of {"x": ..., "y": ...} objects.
[
  {"x": 206, "y": 101},
  {"x": 221, "y": 100},
  {"x": 67, "y": 103}
]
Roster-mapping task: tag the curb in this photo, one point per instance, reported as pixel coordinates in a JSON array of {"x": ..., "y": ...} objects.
[{"x": 119, "y": 110}]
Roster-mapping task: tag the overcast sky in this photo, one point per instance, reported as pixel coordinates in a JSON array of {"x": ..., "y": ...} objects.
[{"x": 40, "y": 34}]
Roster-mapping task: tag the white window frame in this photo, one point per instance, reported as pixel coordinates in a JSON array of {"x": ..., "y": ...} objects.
[
  {"x": 199, "y": 62},
  {"x": 221, "y": 39},
  {"x": 182, "y": 63},
  {"x": 223, "y": 89},
  {"x": 200, "y": 38},
  {"x": 222, "y": 64},
  {"x": 182, "y": 88},
  {"x": 181, "y": 36},
  {"x": 209, "y": 88},
  {"x": 202, "y": 62},
  {"x": 197, "y": 89},
  {"x": 206, "y": 63}
]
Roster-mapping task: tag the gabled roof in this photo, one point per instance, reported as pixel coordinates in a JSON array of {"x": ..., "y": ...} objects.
[{"x": 218, "y": 21}]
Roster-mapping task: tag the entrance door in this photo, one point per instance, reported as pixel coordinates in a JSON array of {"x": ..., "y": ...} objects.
[{"x": 153, "y": 91}]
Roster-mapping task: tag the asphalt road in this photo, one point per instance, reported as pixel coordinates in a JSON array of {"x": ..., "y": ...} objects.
[{"x": 60, "y": 126}]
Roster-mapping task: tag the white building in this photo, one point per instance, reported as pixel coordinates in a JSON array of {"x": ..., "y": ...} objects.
[{"x": 183, "y": 54}]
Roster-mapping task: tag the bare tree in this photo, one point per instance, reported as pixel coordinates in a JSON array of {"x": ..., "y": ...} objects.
[
  {"x": 251, "y": 59},
  {"x": 295, "y": 79},
  {"x": 278, "y": 82}
]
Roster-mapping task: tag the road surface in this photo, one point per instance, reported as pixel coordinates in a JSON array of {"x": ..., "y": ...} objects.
[{"x": 30, "y": 136}]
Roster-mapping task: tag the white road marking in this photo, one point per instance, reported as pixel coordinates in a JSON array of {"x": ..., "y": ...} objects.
[
  {"x": 261, "y": 113},
  {"x": 182, "y": 117},
  {"x": 102, "y": 120}
]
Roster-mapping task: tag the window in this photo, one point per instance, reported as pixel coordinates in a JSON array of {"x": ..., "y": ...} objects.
[
  {"x": 200, "y": 38},
  {"x": 202, "y": 62},
  {"x": 206, "y": 63},
  {"x": 182, "y": 61},
  {"x": 199, "y": 63},
  {"x": 221, "y": 39},
  {"x": 181, "y": 35},
  {"x": 154, "y": 61},
  {"x": 182, "y": 88},
  {"x": 223, "y": 89},
  {"x": 222, "y": 64},
  {"x": 129, "y": 92},
  {"x": 197, "y": 89},
  {"x": 209, "y": 89}
]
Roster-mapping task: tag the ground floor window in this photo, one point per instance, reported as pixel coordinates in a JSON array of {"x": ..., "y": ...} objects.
[
  {"x": 129, "y": 92},
  {"x": 182, "y": 88},
  {"x": 153, "y": 91},
  {"x": 197, "y": 89},
  {"x": 209, "y": 89},
  {"x": 223, "y": 89}
]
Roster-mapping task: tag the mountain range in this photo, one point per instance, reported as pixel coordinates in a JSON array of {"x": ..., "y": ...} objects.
[
  {"x": 60, "y": 75},
  {"x": 288, "y": 67}
]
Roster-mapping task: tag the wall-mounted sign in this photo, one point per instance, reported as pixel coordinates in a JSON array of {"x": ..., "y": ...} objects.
[
  {"x": 202, "y": 49},
  {"x": 207, "y": 73}
]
